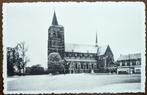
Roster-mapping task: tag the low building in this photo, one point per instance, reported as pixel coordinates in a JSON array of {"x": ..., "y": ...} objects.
[{"x": 130, "y": 63}]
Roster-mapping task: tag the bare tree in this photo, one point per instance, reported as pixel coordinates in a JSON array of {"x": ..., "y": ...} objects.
[{"x": 23, "y": 60}]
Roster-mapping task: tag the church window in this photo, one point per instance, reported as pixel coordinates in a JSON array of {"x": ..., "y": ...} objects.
[
  {"x": 92, "y": 66},
  {"x": 123, "y": 63},
  {"x": 76, "y": 66},
  {"x": 82, "y": 66},
  {"x": 133, "y": 63},
  {"x": 87, "y": 66},
  {"x": 128, "y": 63},
  {"x": 137, "y": 62}
]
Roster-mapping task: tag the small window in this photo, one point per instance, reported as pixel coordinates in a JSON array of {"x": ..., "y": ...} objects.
[
  {"x": 138, "y": 70},
  {"x": 82, "y": 66},
  {"x": 133, "y": 63},
  {"x": 123, "y": 64},
  {"x": 137, "y": 62},
  {"x": 76, "y": 66},
  {"x": 87, "y": 66},
  {"x": 128, "y": 63}
]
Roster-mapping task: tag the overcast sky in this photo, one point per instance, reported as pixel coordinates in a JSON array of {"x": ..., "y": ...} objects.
[{"x": 119, "y": 24}]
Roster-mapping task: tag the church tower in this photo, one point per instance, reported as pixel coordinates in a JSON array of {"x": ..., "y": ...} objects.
[{"x": 56, "y": 37}]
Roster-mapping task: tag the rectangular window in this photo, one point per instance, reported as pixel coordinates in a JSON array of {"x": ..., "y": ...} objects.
[{"x": 123, "y": 63}]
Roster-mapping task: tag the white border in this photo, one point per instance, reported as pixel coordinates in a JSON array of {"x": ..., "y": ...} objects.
[{"x": 143, "y": 77}]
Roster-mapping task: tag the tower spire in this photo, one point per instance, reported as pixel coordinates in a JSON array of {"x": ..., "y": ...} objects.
[
  {"x": 96, "y": 41},
  {"x": 54, "y": 21}
]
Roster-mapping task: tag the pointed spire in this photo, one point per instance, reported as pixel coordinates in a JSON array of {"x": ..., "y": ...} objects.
[
  {"x": 54, "y": 21},
  {"x": 96, "y": 41}
]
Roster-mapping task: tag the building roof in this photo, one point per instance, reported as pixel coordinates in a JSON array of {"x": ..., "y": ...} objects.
[
  {"x": 102, "y": 49},
  {"x": 54, "y": 21},
  {"x": 83, "y": 48},
  {"x": 129, "y": 56},
  {"x": 80, "y": 60}
]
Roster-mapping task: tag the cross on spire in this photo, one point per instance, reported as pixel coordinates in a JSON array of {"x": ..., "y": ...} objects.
[{"x": 54, "y": 21}]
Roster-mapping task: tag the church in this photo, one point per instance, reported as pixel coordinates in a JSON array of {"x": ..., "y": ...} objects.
[{"x": 80, "y": 58}]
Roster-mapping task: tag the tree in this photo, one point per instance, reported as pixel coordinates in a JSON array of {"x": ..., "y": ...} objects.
[
  {"x": 55, "y": 63},
  {"x": 10, "y": 61},
  {"x": 23, "y": 58}
]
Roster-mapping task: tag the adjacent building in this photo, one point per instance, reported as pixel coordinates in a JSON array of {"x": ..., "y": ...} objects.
[
  {"x": 79, "y": 57},
  {"x": 130, "y": 63}
]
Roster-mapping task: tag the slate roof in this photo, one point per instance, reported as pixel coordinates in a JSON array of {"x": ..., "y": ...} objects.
[
  {"x": 54, "y": 21},
  {"x": 83, "y": 48},
  {"x": 129, "y": 56},
  {"x": 80, "y": 60},
  {"x": 102, "y": 49}
]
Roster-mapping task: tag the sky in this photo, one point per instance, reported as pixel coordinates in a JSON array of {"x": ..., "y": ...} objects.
[{"x": 121, "y": 25}]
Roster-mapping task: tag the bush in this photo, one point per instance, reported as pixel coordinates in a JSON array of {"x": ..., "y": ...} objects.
[
  {"x": 55, "y": 63},
  {"x": 35, "y": 70}
]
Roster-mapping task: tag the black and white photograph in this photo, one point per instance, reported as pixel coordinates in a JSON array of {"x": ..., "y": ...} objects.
[{"x": 73, "y": 47}]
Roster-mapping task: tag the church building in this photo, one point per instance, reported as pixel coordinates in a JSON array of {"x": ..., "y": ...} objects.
[{"x": 80, "y": 58}]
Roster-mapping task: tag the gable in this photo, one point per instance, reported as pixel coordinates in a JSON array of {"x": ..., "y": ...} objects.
[{"x": 108, "y": 51}]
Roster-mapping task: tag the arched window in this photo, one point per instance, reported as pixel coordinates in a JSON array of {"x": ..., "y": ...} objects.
[
  {"x": 138, "y": 63},
  {"x": 92, "y": 66},
  {"x": 87, "y": 66},
  {"x": 128, "y": 63},
  {"x": 123, "y": 63},
  {"x": 76, "y": 65},
  {"x": 82, "y": 66},
  {"x": 133, "y": 63}
]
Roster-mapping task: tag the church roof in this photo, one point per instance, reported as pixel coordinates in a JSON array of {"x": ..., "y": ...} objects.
[
  {"x": 54, "y": 21},
  {"x": 80, "y": 60},
  {"x": 102, "y": 49},
  {"x": 83, "y": 48},
  {"x": 129, "y": 56}
]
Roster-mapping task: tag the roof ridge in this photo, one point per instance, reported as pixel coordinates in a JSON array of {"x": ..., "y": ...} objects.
[{"x": 85, "y": 44}]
